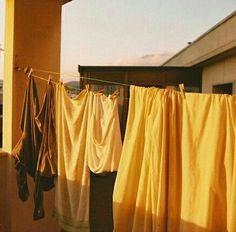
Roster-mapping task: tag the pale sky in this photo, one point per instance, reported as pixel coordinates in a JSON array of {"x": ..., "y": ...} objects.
[
  {"x": 131, "y": 32},
  {"x": 134, "y": 32},
  {"x": 2, "y": 8}
]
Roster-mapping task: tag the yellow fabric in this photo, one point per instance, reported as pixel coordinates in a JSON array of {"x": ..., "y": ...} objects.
[
  {"x": 178, "y": 167},
  {"x": 103, "y": 137},
  {"x": 72, "y": 187}
]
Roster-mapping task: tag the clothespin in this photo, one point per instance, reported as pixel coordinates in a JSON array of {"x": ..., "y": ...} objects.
[
  {"x": 49, "y": 79},
  {"x": 17, "y": 68},
  {"x": 30, "y": 72},
  {"x": 101, "y": 90},
  {"x": 87, "y": 87},
  {"x": 182, "y": 90},
  {"x": 26, "y": 69}
]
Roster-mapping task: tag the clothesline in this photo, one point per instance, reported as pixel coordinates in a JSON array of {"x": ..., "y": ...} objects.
[
  {"x": 105, "y": 81},
  {"x": 28, "y": 71},
  {"x": 57, "y": 73},
  {"x": 46, "y": 71}
]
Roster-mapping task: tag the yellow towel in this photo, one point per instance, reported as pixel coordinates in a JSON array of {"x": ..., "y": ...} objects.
[
  {"x": 72, "y": 187},
  {"x": 103, "y": 138},
  {"x": 178, "y": 167}
]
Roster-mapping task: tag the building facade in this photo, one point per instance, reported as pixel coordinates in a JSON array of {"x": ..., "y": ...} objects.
[{"x": 215, "y": 53}]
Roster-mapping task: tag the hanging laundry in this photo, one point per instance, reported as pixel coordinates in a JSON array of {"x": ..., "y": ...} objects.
[
  {"x": 177, "y": 169},
  {"x": 47, "y": 159},
  {"x": 202, "y": 163},
  {"x": 32, "y": 149},
  {"x": 104, "y": 142},
  {"x": 72, "y": 187},
  {"x": 140, "y": 187}
]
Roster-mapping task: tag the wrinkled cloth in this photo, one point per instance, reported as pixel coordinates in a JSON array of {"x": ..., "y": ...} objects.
[
  {"x": 31, "y": 150},
  {"x": 73, "y": 181},
  {"x": 177, "y": 170},
  {"x": 47, "y": 158},
  {"x": 104, "y": 142}
]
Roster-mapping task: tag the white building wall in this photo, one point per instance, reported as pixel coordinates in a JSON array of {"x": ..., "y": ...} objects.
[{"x": 219, "y": 73}]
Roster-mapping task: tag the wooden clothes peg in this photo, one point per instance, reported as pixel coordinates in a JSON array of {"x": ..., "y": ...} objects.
[
  {"x": 182, "y": 90},
  {"x": 30, "y": 72},
  {"x": 87, "y": 87},
  {"x": 49, "y": 79}
]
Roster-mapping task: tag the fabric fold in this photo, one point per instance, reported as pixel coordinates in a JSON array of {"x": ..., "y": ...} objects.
[
  {"x": 72, "y": 185},
  {"x": 177, "y": 167},
  {"x": 31, "y": 151},
  {"x": 104, "y": 142},
  {"x": 140, "y": 187}
]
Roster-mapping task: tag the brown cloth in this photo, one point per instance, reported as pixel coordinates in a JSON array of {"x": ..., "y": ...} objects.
[{"x": 35, "y": 152}]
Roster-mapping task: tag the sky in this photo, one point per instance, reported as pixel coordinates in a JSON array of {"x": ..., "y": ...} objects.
[
  {"x": 131, "y": 32},
  {"x": 2, "y": 9}
]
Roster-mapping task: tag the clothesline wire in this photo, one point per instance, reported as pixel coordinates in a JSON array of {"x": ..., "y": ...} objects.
[
  {"x": 54, "y": 82},
  {"x": 66, "y": 86},
  {"x": 41, "y": 78},
  {"x": 105, "y": 81},
  {"x": 86, "y": 78},
  {"x": 181, "y": 86},
  {"x": 46, "y": 71},
  {"x": 69, "y": 87}
]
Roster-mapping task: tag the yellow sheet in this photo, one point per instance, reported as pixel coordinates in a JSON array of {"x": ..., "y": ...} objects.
[
  {"x": 178, "y": 169},
  {"x": 72, "y": 186}
]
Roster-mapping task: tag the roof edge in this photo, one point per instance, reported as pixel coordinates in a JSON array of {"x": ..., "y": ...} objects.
[
  {"x": 201, "y": 36},
  {"x": 114, "y": 68},
  {"x": 65, "y": 1}
]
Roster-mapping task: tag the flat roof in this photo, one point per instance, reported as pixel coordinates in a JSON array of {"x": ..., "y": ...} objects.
[
  {"x": 203, "y": 35},
  {"x": 91, "y": 68}
]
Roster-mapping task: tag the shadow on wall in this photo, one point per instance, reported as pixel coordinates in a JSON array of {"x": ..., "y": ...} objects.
[{"x": 16, "y": 215}]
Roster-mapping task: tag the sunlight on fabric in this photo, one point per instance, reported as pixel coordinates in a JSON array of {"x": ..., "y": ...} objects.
[{"x": 177, "y": 166}]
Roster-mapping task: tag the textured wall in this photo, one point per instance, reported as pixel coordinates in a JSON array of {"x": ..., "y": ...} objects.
[{"x": 219, "y": 73}]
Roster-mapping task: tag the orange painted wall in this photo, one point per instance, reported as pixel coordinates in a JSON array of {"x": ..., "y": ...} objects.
[{"x": 33, "y": 32}]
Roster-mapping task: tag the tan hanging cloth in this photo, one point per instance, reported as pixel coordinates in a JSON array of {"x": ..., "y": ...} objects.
[
  {"x": 47, "y": 161},
  {"x": 35, "y": 152},
  {"x": 177, "y": 171},
  {"x": 72, "y": 187},
  {"x": 103, "y": 138}
]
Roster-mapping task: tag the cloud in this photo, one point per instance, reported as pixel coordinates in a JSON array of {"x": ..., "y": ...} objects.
[
  {"x": 148, "y": 56},
  {"x": 146, "y": 59}
]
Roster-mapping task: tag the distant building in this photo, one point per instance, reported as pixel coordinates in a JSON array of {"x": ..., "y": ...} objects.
[
  {"x": 215, "y": 53},
  {"x": 72, "y": 87}
]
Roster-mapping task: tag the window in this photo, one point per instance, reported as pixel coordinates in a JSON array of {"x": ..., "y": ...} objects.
[{"x": 226, "y": 88}]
